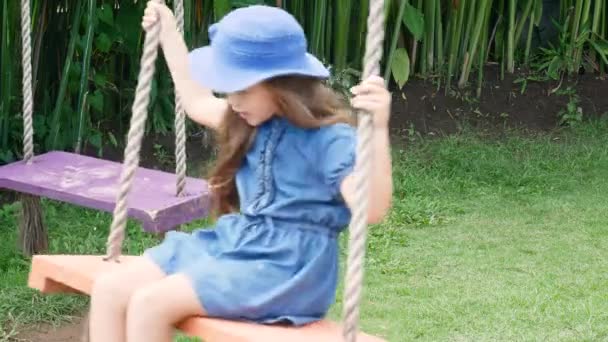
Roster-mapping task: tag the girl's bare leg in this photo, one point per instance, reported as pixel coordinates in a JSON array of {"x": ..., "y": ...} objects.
[
  {"x": 155, "y": 308},
  {"x": 111, "y": 294}
]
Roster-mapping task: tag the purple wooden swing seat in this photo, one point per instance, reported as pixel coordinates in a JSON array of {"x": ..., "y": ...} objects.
[{"x": 91, "y": 182}]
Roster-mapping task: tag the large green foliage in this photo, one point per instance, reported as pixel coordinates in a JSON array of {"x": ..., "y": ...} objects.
[{"x": 86, "y": 54}]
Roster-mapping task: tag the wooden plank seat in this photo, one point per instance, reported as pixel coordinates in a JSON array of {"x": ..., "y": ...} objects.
[
  {"x": 76, "y": 273},
  {"x": 92, "y": 183}
]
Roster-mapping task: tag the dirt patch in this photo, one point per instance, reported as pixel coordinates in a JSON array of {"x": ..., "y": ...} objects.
[
  {"x": 424, "y": 108},
  {"x": 68, "y": 332}
]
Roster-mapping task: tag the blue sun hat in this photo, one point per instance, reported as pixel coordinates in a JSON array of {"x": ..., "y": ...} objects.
[{"x": 252, "y": 44}]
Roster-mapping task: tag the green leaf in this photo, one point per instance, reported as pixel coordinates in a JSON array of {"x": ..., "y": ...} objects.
[
  {"x": 105, "y": 14},
  {"x": 538, "y": 12},
  {"x": 400, "y": 67},
  {"x": 128, "y": 21},
  {"x": 601, "y": 46},
  {"x": 103, "y": 42},
  {"x": 7, "y": 156},
  {"x": 96, "y": 100},
  {"x": 95, "y": 139},
  {"x": 554, "y": 67},
  {"x": 112, "y": 139},
  {"x": 40, "y": 126},
  {"x": 221, "y": 8},
  {"x": 100, "y": 79},
  {"x": 414, "y": 21}
]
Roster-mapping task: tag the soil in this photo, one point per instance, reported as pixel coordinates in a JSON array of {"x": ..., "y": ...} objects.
[
  {"x": 501, "y": 107},
  {"x": 419, "y": 108},
  {"x": 68, "y": 332}
]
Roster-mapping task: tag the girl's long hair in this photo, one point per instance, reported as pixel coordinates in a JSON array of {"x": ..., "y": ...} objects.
[{"x": 305, "y": 102}]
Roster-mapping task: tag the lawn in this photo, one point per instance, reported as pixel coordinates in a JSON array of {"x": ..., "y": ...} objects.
[{"x": 489, "y": 239}]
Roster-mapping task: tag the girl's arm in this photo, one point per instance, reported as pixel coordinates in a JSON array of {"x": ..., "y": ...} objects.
[
  {"x": 373, "y": 97},
  {"x": 198, "y": 102}
]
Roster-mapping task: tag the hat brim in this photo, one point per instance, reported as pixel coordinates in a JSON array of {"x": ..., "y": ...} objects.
[{"x": 222, "y": 77}]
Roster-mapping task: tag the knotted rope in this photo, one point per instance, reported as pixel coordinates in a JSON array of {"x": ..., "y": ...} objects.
[
  {"x": 358, "y": 225},
  {"x": 136, "y": 132},
  {"x": 28, "y": 102},
  {"x": 180, "y": 119}
]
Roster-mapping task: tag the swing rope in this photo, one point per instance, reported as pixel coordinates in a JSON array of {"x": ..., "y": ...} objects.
[
  {"x": 358, "y": 225},
  {"x": 134, "y": 138},
  {"x": 180, "y": 118},
  {"x": 28, "y": 103}
]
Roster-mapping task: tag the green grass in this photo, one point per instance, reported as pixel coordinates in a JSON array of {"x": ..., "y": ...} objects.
[{"x": 488, "y": 240}]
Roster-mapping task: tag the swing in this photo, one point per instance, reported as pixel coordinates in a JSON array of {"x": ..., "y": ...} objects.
[
  {"x": 76, "y": 273},
  {"x": 90, "y": 182}
]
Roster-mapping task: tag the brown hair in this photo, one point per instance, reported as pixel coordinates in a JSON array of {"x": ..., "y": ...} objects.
[{"x": 306, "y": 102}]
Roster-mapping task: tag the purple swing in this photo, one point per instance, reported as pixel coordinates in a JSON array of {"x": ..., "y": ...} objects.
[
  {"x": 160, "y": 200},
  {"x": 93, "y": 183}
]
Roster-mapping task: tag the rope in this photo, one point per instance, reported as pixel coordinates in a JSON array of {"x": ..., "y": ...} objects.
[
  {"x": 134, "y": 138},
  {"x": 28, "y": 102},
  {"x": 358, "y": 226},
  {"x": 180, "y": 118}
]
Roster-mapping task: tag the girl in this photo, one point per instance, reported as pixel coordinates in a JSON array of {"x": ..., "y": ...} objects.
[{"x": 282, "y": 185}]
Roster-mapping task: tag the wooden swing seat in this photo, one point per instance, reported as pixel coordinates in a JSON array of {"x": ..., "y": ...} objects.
[
  {"x": 76, "y": 273},
  {"x": 93, "y": 183}
]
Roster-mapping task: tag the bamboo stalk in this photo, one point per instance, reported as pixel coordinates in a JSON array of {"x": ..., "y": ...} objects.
[
  {"x": 604, "y": 34},
  {"x": 450, "y": 17},
  {"x": 429, "y": 42},
  {"x": 574, "y": 32},
  {"x": 55, "y": 120},
  {"x": 482, "y": 48},
  {"x": 597, "y": 13},
  {"x": 519, "y": 27},
  {"x": 455, "y": 40},
  {"x": 499, "y": 35},
  {"x": 415, "y": 44},
  {"x": 361, "y": 31},
  {"x": 84, "y": 76},
  {"x": 188, "y": 23},
  {"x": 469, "y": 22},
  {"x": 439, "y": 38},
  {"x": 342, "y": 28},
  {"x": 318, "y": 27},
  {"x": 40, "y": 22},
  {"x": 448, "y": 45},
  {"x": 394, "y": 40},
  {"x": 6, "y": 68},
  {"x": 511, "y": 37},
  {"x": 584, "y": 19},
  {"x": 529, "y": 40},
  {"x": 464, "y": 76},
  {"x": 328, "y": 54}
]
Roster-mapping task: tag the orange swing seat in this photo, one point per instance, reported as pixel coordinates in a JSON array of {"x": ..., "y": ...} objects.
[{"x": 76, "y": 274}]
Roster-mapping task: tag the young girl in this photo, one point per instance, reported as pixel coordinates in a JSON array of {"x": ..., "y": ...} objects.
[{"x": 282, "y": 184}]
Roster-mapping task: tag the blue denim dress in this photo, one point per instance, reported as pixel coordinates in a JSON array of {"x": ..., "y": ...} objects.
[{"x": 276, "y": 260}]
